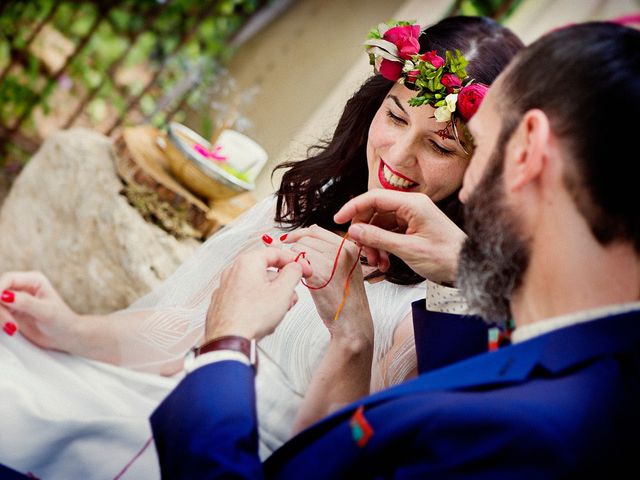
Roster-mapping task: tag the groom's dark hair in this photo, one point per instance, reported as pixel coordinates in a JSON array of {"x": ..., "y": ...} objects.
[{"x": 586, "y": 79}]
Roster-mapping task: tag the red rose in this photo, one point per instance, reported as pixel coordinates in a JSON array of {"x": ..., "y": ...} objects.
[
  {"x": 404, "y": 37},
  {"x": 451, "y": 82},
  {"x": 412, "y": 76},
  {"x": 433, "y": 58},
  {"x": 391, "y": 70},
  {"x": 469, "y": 100}
]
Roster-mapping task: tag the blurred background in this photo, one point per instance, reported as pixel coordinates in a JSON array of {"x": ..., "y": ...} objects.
[{"x": 265, "y": 66}]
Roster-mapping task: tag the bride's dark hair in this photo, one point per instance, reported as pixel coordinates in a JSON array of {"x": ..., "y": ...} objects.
[{"x": 314, "y": 189}]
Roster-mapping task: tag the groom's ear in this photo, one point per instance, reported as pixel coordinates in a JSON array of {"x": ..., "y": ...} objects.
[{"x": 527, "y": 151}]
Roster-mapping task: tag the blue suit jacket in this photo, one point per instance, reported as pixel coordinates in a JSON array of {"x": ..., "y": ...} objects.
[
  {"x": 563, "y": 404},
  {"x": 7, "y": 473}
]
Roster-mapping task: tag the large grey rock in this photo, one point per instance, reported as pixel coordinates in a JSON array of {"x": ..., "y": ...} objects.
[{"x": 65, "y": 217}]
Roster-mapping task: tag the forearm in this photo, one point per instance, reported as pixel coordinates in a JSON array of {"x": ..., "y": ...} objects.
[
  {"x": 119, "y": 339},
  {"x": 96, "y": 336},
  {"x": 343, "y": 376}
]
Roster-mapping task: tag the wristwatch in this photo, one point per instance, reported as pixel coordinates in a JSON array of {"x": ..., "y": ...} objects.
[{"x": 232, "y": 343}]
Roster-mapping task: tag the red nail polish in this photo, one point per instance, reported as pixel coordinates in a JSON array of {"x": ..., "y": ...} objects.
[
  {"x": 284, "y": 237},
  {"x": 267, "y": 239},
  {"x": 8, "y": 296},
  {"x": 10, "y": 328}
]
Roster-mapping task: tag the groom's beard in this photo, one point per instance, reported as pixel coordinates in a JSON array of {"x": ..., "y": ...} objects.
[{"x": 495, "y": 256}]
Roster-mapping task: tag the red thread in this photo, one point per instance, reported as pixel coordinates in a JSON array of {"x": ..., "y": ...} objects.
[
  {"x": 333, "y": 270},
  {"x": 135, "y": 457},
  {"x": 346, "y": 286}
]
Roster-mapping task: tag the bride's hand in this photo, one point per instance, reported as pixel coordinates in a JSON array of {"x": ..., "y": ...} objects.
[
  {"x": 29, "y": 301},
  {"x": 320, "y": 247}
]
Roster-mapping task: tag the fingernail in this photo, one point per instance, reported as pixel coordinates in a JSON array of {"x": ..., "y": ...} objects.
[
  {"x": 10, "y": 328},
  {"x": 7, "y": 296},
  {"x": 267, "y": 239},
  {"x": 355, "y": 232},
  {"x": 283, "y": 237}
]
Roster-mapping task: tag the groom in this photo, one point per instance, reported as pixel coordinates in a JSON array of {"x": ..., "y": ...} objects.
[{"x": 554, "y": 242}]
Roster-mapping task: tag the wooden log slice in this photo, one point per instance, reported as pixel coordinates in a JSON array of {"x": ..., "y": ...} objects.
[{"x": 140, "y": 161}]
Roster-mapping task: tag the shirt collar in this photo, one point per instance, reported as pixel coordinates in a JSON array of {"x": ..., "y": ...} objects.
[{"x": 527, "y": 332}]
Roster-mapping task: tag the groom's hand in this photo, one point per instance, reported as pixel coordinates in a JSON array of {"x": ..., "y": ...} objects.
[
  {"x": 251, "y": 300},
  {"x": 408, "y": 225}
]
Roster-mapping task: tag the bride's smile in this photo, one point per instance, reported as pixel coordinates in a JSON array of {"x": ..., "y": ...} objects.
[{"x": 407, "y": 149}]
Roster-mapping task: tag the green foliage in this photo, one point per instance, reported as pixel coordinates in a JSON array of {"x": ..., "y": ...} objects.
[
  {"x": 428, "y": 83},
  {"x": 498, "y": 9},
  {"x": 174, "y": 38},
  {"x": 375, "y": 32}
]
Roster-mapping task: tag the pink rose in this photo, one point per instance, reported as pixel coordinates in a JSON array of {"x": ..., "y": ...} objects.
[
  {"x": 391, "y": 70},
  {"x": 469, "y": 100},
  {"x": 405, "y": 38},
  {"x": 412, "y": 76},
  {"x": 451, "y": 82},
  {"x": 433, "y": 58}
]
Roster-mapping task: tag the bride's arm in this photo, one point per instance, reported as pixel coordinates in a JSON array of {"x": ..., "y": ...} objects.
[
  {"x": 343, "y": 376},
  {"x": 30, "y": 302},
  {"x": 124, "y": 338},
  {"x": 344, "y": 372}
]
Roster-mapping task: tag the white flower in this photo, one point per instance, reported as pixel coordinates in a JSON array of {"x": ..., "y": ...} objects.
[
  {"x": 408, "y": 66},
  {"x": 451, "y": 100},
  {"x": 442, "y": 114}
]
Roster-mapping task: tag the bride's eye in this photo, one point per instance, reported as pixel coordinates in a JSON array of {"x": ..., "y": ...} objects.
[
  {"x": 440, "y": 149},
  {"x": 396, "y": 119}
]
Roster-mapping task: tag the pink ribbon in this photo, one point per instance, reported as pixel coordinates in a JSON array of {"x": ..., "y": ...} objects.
[{"x": 212, "y": 154}]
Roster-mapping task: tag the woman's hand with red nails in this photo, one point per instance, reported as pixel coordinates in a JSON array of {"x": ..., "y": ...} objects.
[
  {"x": 30, "y": 302},
  {"x": 321, "y": 247}
]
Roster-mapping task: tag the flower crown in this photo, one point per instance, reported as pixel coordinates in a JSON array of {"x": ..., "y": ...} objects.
[{"x": 443, "y": 83}]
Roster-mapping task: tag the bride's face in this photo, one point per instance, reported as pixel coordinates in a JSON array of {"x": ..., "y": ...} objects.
[{"x": 406, "y": 153}]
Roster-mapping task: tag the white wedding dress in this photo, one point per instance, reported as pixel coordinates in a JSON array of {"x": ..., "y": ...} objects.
[{"x": 66, "y": 417}]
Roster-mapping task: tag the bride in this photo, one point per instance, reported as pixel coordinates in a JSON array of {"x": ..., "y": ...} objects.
[{"x": 70, "y": 410}]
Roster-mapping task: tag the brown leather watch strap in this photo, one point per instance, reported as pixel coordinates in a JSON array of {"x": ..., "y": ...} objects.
[{"x": 234, "y": 343}]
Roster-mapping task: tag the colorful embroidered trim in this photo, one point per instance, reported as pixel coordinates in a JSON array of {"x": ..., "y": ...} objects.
[
  {"x": 361, "y": 430},
  {"x": 498, "y": 338}
]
